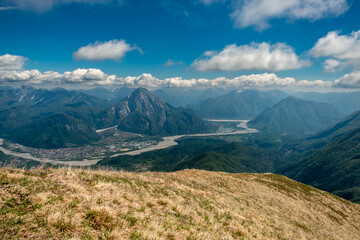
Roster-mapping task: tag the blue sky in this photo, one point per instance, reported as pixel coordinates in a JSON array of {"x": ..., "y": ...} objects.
[{"x": 171, "y": 38}]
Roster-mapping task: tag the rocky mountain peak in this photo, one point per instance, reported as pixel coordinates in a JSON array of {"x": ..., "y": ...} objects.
[
  {"x": 26, "y": 88},
  {"x": 141, "y": 100},
  {"x": 143, "y": 112}
]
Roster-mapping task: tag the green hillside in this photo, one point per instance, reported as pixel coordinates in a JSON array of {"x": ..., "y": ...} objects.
[
  {"x": 348, "y": 124},
  {"x": 56, "y": 131},
  {"x": 334, "y": 168},
  {"x": 212, "y": 155}
]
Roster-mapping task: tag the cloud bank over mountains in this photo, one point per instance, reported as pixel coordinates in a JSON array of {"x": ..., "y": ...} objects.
[
  {"x": 96, "y": 77},
  {"x": 351, "y": 80}
]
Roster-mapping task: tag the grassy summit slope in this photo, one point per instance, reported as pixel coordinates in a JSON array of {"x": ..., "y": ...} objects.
[{"x": 189, "y": 204}]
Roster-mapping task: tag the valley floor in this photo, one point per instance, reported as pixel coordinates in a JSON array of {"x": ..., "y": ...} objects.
[
  {"x": 95, "y": 154},
  {"x": 189, "y": 204}
]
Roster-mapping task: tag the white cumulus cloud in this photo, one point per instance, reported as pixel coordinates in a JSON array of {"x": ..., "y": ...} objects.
[
  {"x": 114, "y": 50},
  {"x": 343, "y": 50},
  {"x": 265, "y": 80},
  {"x": 180, "y": 82},
  {"x": 11, "y": 62},
  {"x": 315, "y": 83},
  {"x": 261, "y": 80},
  {"x": 19, "y": 76},
  {"x": 257, "y": 56},
  {"x": 89, "y": 76},
  {"x": 345, "y": 47},
  {"x": 351, "y": 80},
  {"x": 258, "y": 13},
  {"x": 96, "y": 77},
  {"x": 257, "y": 81},
  {"x": 332, "y": 65},
  {"x": 144, "y": 80}
]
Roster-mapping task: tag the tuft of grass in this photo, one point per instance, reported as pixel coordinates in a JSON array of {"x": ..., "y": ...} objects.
[
  {"x": 132, "y": 220},
  {"x": 98, "y": 219},
  {"x": 136, "y": 236}
]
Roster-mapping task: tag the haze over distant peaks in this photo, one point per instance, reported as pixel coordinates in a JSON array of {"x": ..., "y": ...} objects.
[
  {"x": 293, "y": 115},
  {"x": 237, "y": 104}
]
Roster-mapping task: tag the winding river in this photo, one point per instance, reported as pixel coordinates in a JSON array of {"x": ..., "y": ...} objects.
[{"x": 165, "y": 143}]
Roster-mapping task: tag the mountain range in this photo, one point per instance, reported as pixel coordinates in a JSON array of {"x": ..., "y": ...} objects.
[
  {"x": 295, "y": 116},
  {"x": 175, "y": 96},
  {"x": 143, "y": 112},
  {"x": 237, "y": 104},
  {"x": 346, "y": 102},
  {"x": 111, "y": 95},
  {"x": 54, "y": 99},
  {"x": 327, "y": 159},
  {"x": 186, "y": 96},
  {"x": 23, "y": 105},
  {"x": 55, "y": 131},
  {"x": 38, "y": 117}
]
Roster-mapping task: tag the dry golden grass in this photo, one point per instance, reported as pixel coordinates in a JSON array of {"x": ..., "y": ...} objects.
[{"x": 190, "y": 204}]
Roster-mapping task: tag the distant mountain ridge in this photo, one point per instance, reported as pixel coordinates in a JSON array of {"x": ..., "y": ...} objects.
[
  {"x": 44, "y": 114},
  {"x": 179, "y": 96},
  {"x": 296, "y": 116},
  {"x": 112, "y": 95},
  {"x": 143, "y": 112},
  {"x": 346, "y": 102},
  {"x": 56, "y": 131},
  {"x": 346, "y": 125},
  {"x": 237, "y": 104},
  {"x": 175, "y": 96},
  {"x": 29, "y": 96},
  {"x": 25, "y": 104}
]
